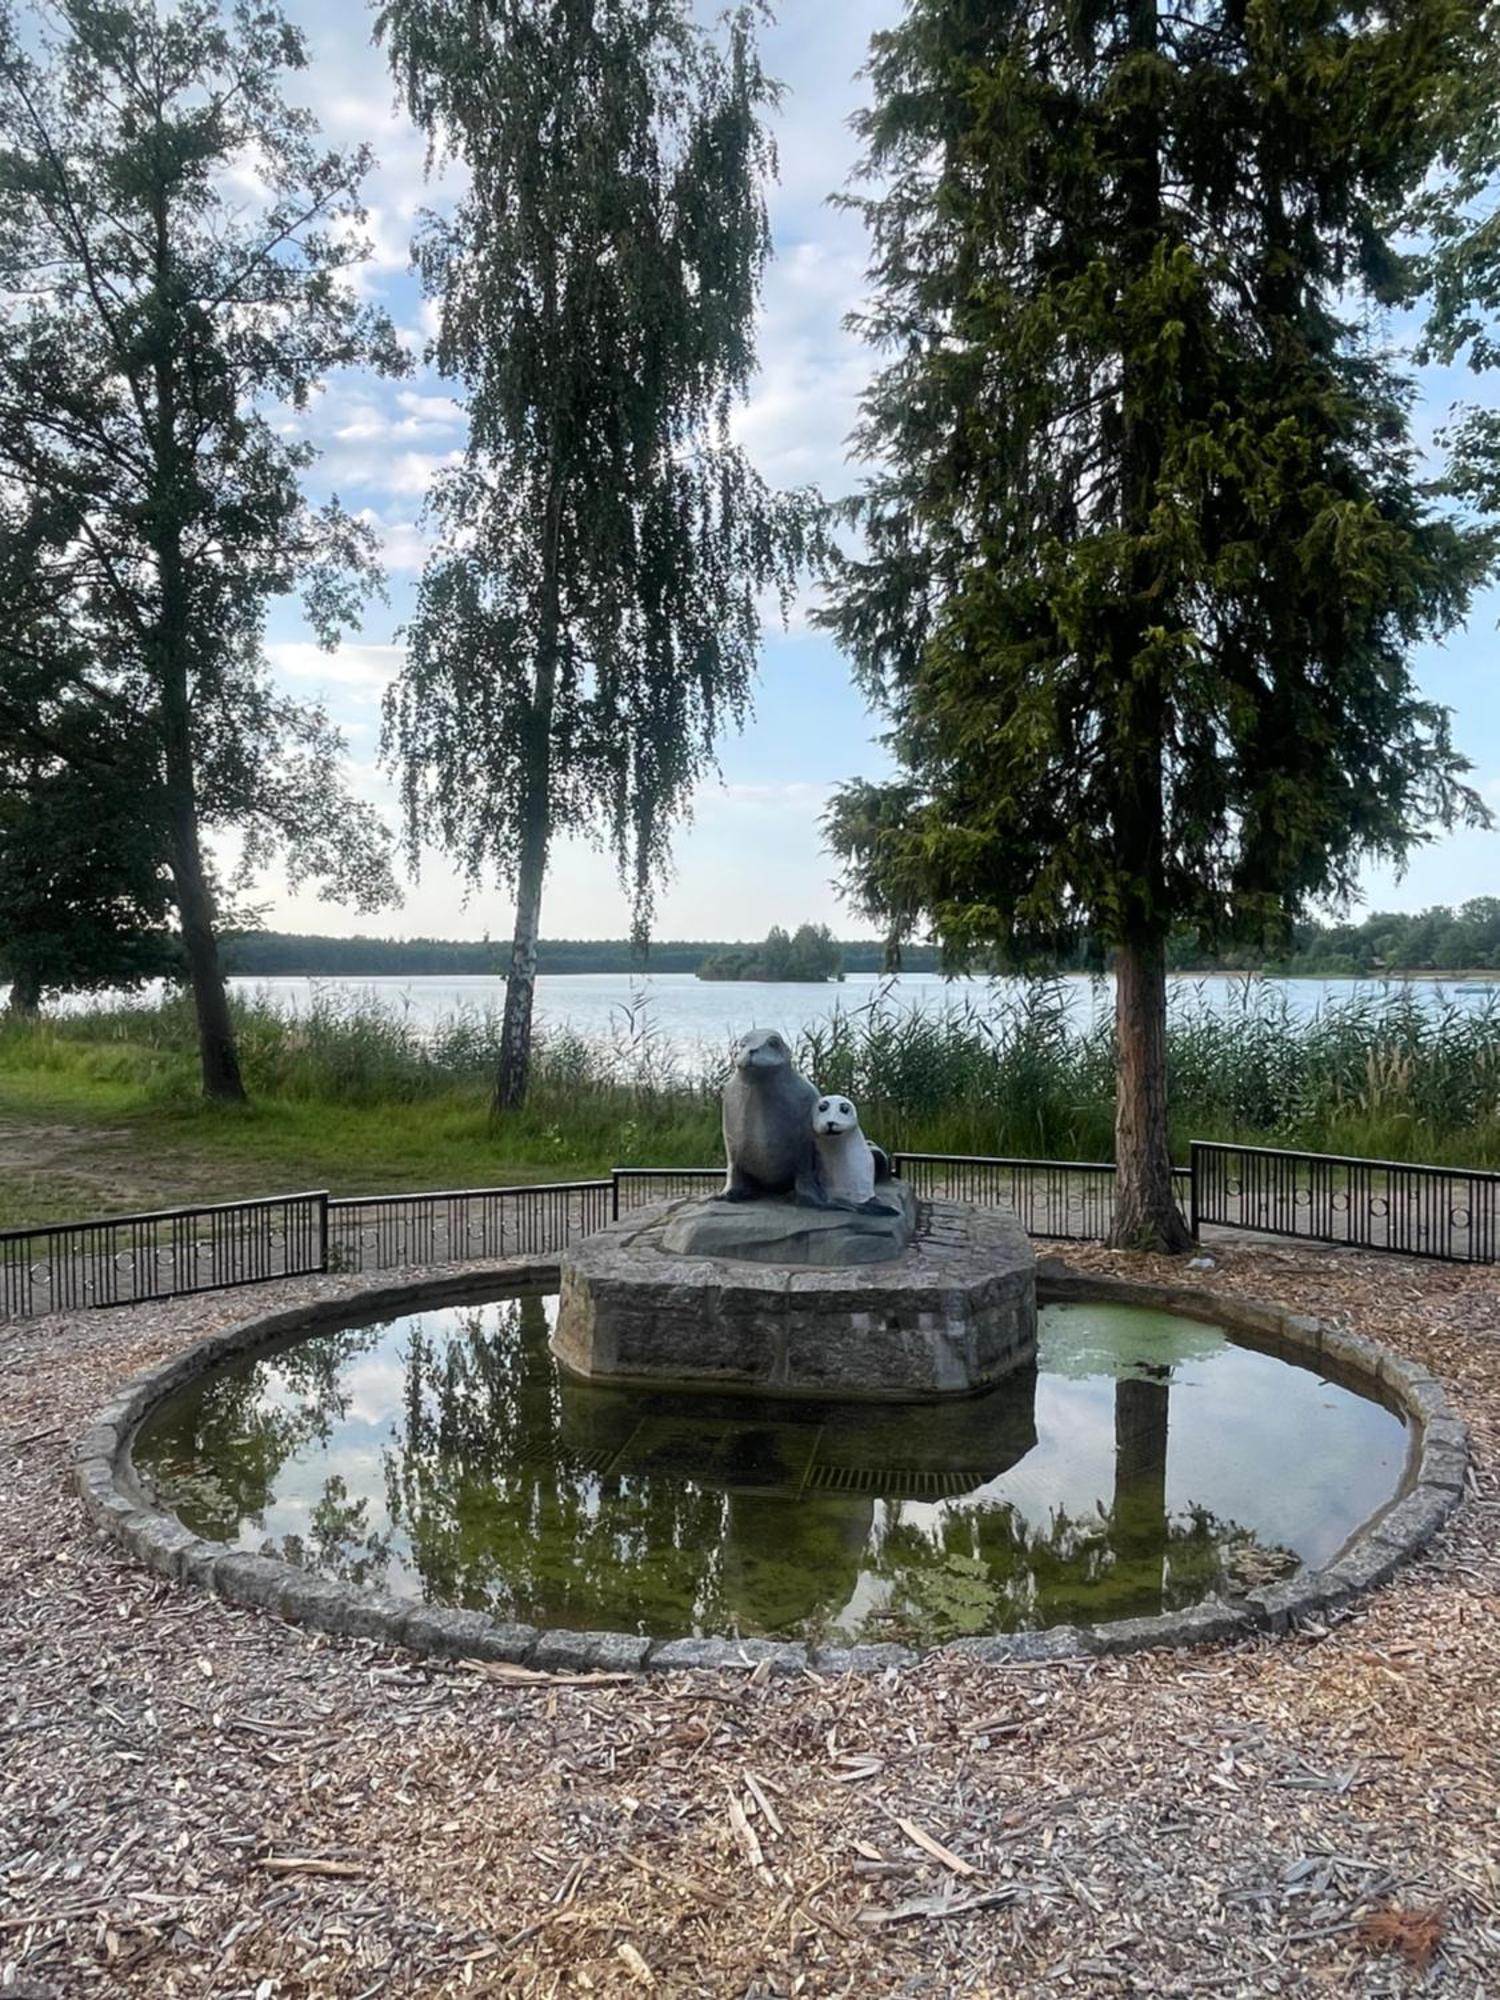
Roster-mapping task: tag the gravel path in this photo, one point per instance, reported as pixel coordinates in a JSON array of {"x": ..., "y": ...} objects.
[{"x": 196, "y": 1800}]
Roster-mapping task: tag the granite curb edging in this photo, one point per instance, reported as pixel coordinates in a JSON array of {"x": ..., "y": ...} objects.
[{"x": 105, "y": 1481}]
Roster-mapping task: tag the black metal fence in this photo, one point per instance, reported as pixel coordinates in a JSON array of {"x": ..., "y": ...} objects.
[
  {"x": 1064, "y": 1199},
  {"x": 129, "y": 1259},
  {"x": 1416, "y": 1211},
  {"x": 638, "y": 1187},
  {"x": 1421, "y": 1211},
  {"x": 389, "y": 1232}
]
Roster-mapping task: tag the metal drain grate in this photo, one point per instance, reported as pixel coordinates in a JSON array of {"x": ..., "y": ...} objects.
[
  {"x": 544, "y": 1452},
  {"x": 896, "y": 1482}
]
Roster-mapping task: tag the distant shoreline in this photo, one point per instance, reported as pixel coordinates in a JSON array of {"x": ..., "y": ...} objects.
[{"x": 281, "y": 955}]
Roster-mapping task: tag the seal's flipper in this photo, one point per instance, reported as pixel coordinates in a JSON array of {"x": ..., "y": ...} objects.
[{"x": 883, "y": 1169}]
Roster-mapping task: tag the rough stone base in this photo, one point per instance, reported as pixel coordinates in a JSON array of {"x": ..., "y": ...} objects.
[
  {"x": 784, "y": 1234},
  {"x": 954, "y": 1314}
]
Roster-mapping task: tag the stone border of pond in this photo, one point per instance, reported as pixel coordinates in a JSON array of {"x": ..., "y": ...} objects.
[{"x": 1437, "y": 1470}]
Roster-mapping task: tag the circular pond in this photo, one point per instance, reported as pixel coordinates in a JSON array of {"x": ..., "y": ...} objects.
[{"x": 1149, "y": 1461}]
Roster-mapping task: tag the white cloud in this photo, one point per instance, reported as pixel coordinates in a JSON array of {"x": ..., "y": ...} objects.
[
  {"x": 366, "y": 669},
  {"x": 369, "y": 419},
  {"x": 404, "y": 544}
]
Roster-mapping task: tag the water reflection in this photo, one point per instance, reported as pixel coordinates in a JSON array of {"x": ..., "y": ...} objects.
[{"x": 445, "y": 1457}]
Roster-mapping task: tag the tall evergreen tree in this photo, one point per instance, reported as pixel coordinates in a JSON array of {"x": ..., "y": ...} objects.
[
  {"x": 590, "y": 619},
  {"x": 1459, "y": 220},
  {"x": 1146, "y": 555},
  {"x": 154, "y": 317}
]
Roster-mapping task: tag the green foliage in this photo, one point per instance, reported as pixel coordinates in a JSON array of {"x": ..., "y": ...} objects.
[
  {"x": 84, "y": 899},
  {"x": 359, "y": 1099},
  {"x": 1461, "y": 261},
  {"x": 591, "y": 617},
  {"x": 1145, "y": 567},
  {"x": 274, "y": 953},
  {"x": 812, "y": 956},
  {"x": 175, "y": 249},
  {"x": 1146, "y": 556},
  {"x": 1440, "y": 939}
]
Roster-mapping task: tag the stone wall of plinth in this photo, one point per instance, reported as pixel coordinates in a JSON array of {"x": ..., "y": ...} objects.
[{"x": 952, "y": 1315}]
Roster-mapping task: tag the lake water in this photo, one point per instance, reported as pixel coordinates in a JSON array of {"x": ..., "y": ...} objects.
[
  {"x": 694, "y": 1014},
  {"x": 694, "y": 1017}
]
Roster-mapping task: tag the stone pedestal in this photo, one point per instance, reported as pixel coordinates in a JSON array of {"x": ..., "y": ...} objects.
[
  {"x": 951, "y": 1315},
  {"x": 782, "y": 1232}
]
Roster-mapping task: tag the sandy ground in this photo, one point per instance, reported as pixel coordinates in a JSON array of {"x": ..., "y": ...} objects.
[{"x": 196, "y": 1800}]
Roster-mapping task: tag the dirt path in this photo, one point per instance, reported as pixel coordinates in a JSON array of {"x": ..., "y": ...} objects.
[{"x": 55, "y": 1170}]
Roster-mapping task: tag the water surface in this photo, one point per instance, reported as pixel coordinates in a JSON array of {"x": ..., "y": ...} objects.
[
  {"x": 1147, "y": 1461},
  {"x": 692, "y": 1018}
]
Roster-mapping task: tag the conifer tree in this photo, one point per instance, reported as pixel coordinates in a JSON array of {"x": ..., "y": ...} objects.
[
  {"x": 590, "y": 619},
  {"x": 1459, "y": 222},
  {"x": 1146, "y": 554}
]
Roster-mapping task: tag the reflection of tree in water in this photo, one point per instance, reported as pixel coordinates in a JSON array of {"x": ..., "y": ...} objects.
[
  {"x": 541, "y": 1497},
  {"x": 496, "y": 1484},
  {"x": 499, "y": 1485},
  {"x": 215, "y": 1455},
  {"x": 1132, "y": 1560},
  {"x": 340, "y": 1541}
]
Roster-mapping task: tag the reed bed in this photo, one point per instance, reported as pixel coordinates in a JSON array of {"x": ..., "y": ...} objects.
[{"x": 1012, "y": 1072}]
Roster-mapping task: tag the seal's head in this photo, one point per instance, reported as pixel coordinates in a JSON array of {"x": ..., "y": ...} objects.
[
  {"x": 834, "y": 1114},
  {"x": 760, "y": 1049}
]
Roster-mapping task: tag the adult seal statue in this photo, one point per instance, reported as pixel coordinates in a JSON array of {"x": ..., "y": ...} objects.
[{"x": 768, "y": 1124}]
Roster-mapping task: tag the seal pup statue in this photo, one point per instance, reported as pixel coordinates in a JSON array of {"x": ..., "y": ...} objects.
[
  {"x": 768, "y": 1136},
  {"x": 848, "y": 1165}
]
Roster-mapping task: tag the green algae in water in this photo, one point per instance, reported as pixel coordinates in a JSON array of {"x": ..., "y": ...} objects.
[{"x": 1146, "y": 1462}]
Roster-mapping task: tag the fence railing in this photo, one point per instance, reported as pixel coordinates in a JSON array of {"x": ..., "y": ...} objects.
[
  {"x": 131, "y": 1259},
  {"x": 638, "y": 1187},
  {"x": 1063, "y": 1199},
  {"x": 389, "y": 1232},
  {"x": 1421, "y": 1211},
  {"x": 1416, "y": 1211}
]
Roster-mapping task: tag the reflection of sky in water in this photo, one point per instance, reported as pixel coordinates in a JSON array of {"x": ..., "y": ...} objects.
[{"x": 573, "y": 1504}]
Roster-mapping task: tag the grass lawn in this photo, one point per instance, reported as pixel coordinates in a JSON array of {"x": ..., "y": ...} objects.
[
  {"x": 72, "y": 1148},
  {"x": 99, "y": 1111}
]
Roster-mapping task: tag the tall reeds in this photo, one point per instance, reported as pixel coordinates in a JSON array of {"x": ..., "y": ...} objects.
[{"x": 1021, "y": 1069}]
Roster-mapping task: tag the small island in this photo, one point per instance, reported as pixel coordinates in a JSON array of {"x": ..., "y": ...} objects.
[{"x": 809, "y": 957}]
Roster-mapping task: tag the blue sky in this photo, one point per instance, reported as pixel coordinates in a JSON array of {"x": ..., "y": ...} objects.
[{"x": 752, "y": 855}]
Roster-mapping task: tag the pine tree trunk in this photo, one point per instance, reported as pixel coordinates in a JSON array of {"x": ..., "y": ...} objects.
[
  {"x": 25, "y": 997},
  {"x": 1146, "y": 1215},
  {"x": 520, "y": 980},
  {"x": 218, "y": 1058}
]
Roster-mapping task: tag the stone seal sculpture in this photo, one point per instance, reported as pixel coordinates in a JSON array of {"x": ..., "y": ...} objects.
[
  {"x": 776, "y": 1205},
  {"x": 858, "y": 1300},
  {"x": 768, "y": 1131},
  {"x": 847, "y": 1168}
]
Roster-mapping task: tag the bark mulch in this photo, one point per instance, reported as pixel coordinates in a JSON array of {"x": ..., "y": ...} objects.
[{"x": 196, "y": 1800}]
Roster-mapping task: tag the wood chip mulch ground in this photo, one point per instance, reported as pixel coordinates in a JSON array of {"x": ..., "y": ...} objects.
[{"x": 196, "y": 1800}]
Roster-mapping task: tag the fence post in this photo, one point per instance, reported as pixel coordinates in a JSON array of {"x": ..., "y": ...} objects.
[
  {"x": 1193, "y": 1158},
  {"x": 323, "y": 1230},
  {"x": 614, "y": 1194}
]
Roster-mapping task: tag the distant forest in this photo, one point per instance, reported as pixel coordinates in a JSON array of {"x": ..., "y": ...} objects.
[
  {"x": 1465, "y": 939},
  {"x": 276, "y": 954},
  {"x": 809, "y": 956}
]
